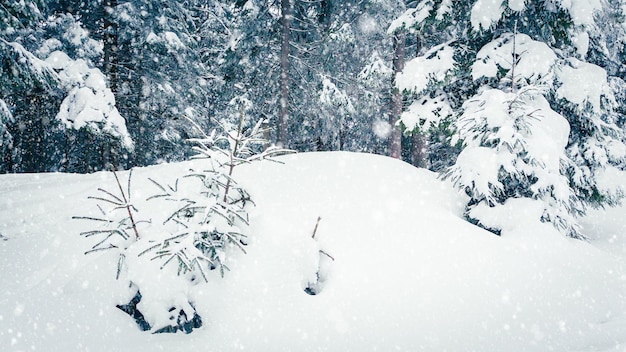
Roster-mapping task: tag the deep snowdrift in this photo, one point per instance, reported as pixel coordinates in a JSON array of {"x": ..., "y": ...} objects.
[{"x": 409, "y": 273}]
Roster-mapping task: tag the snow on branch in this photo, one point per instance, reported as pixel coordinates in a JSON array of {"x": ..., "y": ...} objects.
[
  {"x": 432, "y": 66},
  {"x": 582, "y": 83},
  {"x": 485, "y": 13},
  {"x": 533, "y": 63},
  {"x": 412, "y": 17},
  {"x": 89, "y": 103}
]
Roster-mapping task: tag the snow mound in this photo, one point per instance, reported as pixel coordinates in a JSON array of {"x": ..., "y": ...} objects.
[{"x": 408, "y": 272}]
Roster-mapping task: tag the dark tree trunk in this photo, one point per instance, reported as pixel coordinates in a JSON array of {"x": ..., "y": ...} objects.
[
  {"x": 418, "y": 146},
  {"x": 110, "y": 40},
  {"x": 110, "y": 155},
  {"x": 395, "y": 138},
  {"x": 283, "y": 119}
]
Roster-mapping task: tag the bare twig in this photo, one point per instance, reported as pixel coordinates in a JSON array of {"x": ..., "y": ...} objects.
[
  {"x": 316, "y": 224},
  {"x": 328, "y": 255}
]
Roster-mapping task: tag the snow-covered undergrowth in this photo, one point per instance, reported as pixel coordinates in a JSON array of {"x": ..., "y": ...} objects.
[{"x": 409, "y": 273}]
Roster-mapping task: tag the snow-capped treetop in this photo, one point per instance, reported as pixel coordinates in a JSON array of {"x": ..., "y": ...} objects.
[
  {"x": 415, "y": 16},
  {"x": 29, "y": 64},
  {"x": 445, "y": 7},
  {"x": 376, "y": 68},
  {"x": 5, "y": 113},
  {"x": 168, "y": 38},
  {"x": 5, "y": 117},
  {"x": 486, "y": 12},
  {"x": 582, "y": 11}
]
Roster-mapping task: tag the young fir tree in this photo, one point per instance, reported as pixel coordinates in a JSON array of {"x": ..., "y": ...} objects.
[{"x": 195, "y": 224}]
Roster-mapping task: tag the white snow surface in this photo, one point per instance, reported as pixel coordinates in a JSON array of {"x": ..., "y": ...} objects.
[{"x": 409, "y": 273}]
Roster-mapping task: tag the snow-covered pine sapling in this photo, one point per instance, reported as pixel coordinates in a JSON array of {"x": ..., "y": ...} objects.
[
  {"x": 198, "y": 220},
  {"x": 117, "y": 226},
  {"x": 205, "y": 222}
]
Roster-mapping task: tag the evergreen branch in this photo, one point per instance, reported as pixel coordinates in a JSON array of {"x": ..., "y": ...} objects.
[
  {"x": 130, "y": 214},
  {"x": 148, "y": 249},
  {"x": 235, "y": 241},
  {"x": 120, "y": 263},
  {"x": 103, "y": 240},
  {"x": 91, "y": 218},
  {"x": 105, "y": 200},
  {"x": 157, "y": 184},
  {"x": 110, "y": 194},
  {"x": 100, "y": 249},
  {"x": 201, "y": 269},
  {"x": 167, "y": 261}
]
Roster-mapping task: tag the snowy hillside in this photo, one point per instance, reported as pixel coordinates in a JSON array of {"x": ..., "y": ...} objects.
[{"x": 409, "y": 274}]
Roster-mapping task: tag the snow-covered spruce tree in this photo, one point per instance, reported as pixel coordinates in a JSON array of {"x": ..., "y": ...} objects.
[
  {"x": 196, "y": 222},
  {"x": 514, "y": 152},
  {"x": 61, "y": 107},
  {"x": 535, "y": 55}
]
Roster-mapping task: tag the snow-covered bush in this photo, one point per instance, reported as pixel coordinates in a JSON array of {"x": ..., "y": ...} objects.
[{"x": 195, "y": 223}]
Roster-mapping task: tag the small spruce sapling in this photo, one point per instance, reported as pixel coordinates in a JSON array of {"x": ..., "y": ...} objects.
[
  {"x": 200, "y": 217},
  {"x": 205, "y": 223}
]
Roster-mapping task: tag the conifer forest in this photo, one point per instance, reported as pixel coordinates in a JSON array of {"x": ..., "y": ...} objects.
[
  {"x": 508, "y": 99},
  {"x": 447, "y": 175}
]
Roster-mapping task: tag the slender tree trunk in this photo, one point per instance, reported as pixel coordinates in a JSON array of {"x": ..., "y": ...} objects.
[
  {"x": 418, "y": 145},
  {"x": 110, "y": 156},
  {"x": 283, "y": 120},
  {"x": 395, "y": 138},
  {"x": 110, "y": 41},
  {"x": 418, "y": 150}
]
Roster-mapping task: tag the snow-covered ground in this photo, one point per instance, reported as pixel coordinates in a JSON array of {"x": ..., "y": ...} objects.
[{"x": 409, "y": 273}]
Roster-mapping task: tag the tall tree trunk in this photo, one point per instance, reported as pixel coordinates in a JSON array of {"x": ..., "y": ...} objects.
[
  {"x": 418, "y": 145},
  {"x": 110, "y": 155},
  {"x": 110, "y": 41},
  {"x": 395, "y": 138},
  {"x": 283, "y": 119}
]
